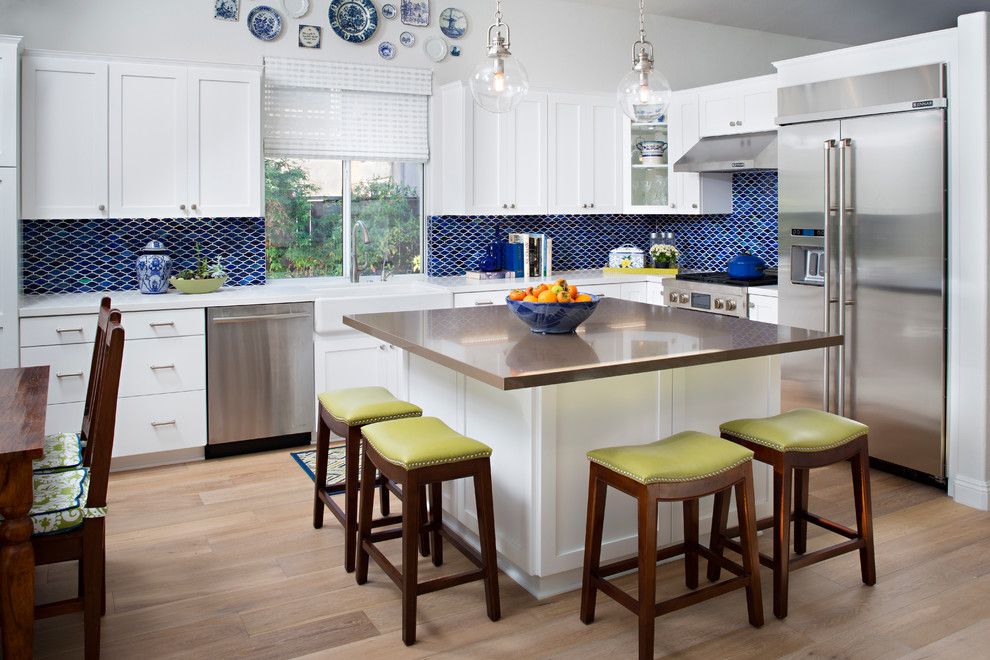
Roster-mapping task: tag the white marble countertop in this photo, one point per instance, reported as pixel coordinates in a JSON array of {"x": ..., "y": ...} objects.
[{"x": 277, "y": 291}]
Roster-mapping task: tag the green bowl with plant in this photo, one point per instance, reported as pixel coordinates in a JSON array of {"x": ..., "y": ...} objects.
[{"x": 204, "y": 277}]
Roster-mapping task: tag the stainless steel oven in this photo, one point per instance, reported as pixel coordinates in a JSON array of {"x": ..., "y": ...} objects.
[{"x": 715, "y": 293}]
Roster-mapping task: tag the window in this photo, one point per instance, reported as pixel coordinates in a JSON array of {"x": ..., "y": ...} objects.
[{"x": 308, "y": 226}]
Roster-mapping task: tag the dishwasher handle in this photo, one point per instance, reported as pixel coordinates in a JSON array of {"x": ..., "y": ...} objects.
[{"x": 262, "y": 317}]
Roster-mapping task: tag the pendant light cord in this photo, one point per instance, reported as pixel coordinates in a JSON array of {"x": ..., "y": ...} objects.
[
  {"x": 642, "y": 20},
  {"x": 498, "y": 12}
]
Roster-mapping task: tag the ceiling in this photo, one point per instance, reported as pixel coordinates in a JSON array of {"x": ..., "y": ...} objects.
[{"x": 842, "y": 21}]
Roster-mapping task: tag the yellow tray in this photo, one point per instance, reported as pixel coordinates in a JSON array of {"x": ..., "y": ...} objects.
[{"x": 640, "y": 271}]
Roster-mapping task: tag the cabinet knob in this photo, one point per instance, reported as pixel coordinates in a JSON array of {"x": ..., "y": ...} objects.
[
  {"x": 732, "y": 123},
  {"x": 694, "y": 206},
  {"x": 505, "y": 206},
  {"x": 193, "y": 207},
  {"x": 381, "y": 347},
  {"x": 512, "y": 206},
  {"x": 103, "y": 207},
  {"x": 739, "y": 123},
  {"x": 584, "y": 206},
  {"x": 591, "y": 206},
  {"x": 673, "y": 206},
  {"x": 182, "y": 207}
]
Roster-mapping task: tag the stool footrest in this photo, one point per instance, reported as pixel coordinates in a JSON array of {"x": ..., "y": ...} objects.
[
  {"x": 699, "y": 595},
  {"x": 448, "y": 581},
  {"x": 461, "y": 546},
  {"x": 722, "y": 561},
  {"x": 830, "y": 525},
  {"x": 826, "y": 553},
  {"x": 632, "y": 562}
]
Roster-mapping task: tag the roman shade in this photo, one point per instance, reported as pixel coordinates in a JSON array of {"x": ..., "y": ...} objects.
[{"x": 316, "y": 109}]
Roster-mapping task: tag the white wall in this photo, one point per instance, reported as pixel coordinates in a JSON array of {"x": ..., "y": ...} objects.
[{"x": 563, "y": 45}]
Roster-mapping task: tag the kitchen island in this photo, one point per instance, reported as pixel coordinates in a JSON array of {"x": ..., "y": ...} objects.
[{"x": 632, "y": 373}]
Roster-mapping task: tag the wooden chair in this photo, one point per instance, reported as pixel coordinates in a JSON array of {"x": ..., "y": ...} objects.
[
  {"x": 79, "y": 533},
  {"x": 793, "y": 444}
]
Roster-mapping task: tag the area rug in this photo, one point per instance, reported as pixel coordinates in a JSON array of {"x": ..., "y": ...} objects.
[{"x": 335, "y": 464}]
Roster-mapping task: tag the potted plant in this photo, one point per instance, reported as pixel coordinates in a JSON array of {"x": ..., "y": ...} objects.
[
  {"x": 203, "y": 277},
  {"x": 664, "y": 256}
]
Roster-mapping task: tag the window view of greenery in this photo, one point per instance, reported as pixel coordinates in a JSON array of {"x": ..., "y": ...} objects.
[{"x": 305, "y": 222}]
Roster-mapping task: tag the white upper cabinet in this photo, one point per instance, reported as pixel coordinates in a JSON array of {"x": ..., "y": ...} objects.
[
  {"x": 225, "y": 178},
  {"x": 692, "y": 193},
  {"x": 64, "y": 138},
  {"x": 742, "y": 106},
  {"x": 149, "y": 175},
  {"x": 8, "y": 100},
  {"x": 584, "y": 145}
]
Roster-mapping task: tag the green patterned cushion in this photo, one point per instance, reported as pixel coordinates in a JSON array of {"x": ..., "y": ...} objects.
[
  {"x": 62, "y": 451},
  {"x": 60, "y": 501}
]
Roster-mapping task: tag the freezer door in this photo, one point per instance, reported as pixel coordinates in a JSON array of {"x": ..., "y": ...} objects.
[
  {"x": 807, "y": 161},
  {"x": 894, "y": 368}
]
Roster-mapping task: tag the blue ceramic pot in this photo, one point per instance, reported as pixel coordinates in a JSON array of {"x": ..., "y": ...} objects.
[
  {"x": 746, "y": 266},
  {"x": 154, "y": 267},
  {"x": 553, "y": 318}
]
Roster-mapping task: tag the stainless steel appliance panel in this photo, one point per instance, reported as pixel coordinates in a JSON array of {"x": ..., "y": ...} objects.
[
  {"x": 895, "y": 285},
  {"x": 260, "y": 380}
]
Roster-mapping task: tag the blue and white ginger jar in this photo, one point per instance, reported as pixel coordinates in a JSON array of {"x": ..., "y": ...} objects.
[{"x": 154, "y": 267}]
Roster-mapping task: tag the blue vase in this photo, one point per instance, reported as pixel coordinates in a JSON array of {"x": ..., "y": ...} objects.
[{"x": 154, "y": 267}]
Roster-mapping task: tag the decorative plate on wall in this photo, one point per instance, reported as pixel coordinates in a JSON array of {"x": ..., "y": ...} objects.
[
  {"x": 353, "y": 20},
  {"x": 387, "y": 50},
  {"x": 265, "y": 23},
  {"x": 407, "y": 39},
  {"x": 436, "y": 49},
  {"x": 453, "y": 22},
  {"x": 295, "y": 8},
  {"x": 310, "y": 36},
  {"x": 416, "y": 12},
  {"x": 225, "y": 10},
  {"x": 389, "y": 11}
]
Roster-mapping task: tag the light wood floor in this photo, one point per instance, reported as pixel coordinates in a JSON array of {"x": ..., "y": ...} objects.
[{"x": 220, "y": 560}]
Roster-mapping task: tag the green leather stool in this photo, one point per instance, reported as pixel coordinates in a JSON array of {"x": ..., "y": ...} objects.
[
  {"x": 681, "y": 468},
  {"x": 416, "y": 453},
  {"x": 344, "y": 412},
  {"x": 794, "y": 443}
]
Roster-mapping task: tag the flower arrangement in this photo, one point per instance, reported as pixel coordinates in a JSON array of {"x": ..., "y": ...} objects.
[{"x": 664, "y": 256}]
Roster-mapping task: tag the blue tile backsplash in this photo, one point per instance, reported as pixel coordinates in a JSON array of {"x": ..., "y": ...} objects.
[
  {"x": 70, "y": 256},
  {"x": 708, "y": 242}
]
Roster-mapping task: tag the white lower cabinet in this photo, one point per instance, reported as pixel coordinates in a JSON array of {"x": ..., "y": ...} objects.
[
  {"x": 634, "y": 291},
  {"x": 357, "y": 361},
  {"x": 607, "y": 290},
  {"x": 762, "y": 308},
  {"x": 160, "y": 366},
  {"x": 69, "y": 375},
  {"x": 481, "y": 298},
  {"x": 163, "y": 422},
  {"x": 654, "y": 294}
]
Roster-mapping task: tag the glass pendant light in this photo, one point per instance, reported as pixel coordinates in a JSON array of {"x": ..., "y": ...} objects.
[
  {"x": 499, "y": 83},
  {"x": 644, "y": 92}
]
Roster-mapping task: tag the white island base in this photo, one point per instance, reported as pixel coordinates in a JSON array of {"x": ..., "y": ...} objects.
[{"x": 540, "y": 436}]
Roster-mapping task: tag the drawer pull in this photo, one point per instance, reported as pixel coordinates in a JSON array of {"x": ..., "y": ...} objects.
[
  {"x": 75, "y": 374},
  {"x": 170, "y": 422},
  {"x": 483, "y": 302},
  {"x": 159, "y": 367},
  {"x": 63, "y": 331},
  {"x": 162, "y": 324}
]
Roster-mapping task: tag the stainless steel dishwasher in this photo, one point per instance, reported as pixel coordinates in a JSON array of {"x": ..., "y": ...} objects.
[{"x": 259, "y": 371}]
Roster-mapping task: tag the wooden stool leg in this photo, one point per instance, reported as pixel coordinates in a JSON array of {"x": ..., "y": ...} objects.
[
  {"x": 781, "y": 538},
  {"x": 485, "y": 504},
  {"x": 351, "y": 487},
  {"x": 93, "y": 532},
  {"x": 720, "y": 520},
  {"x": 864, "y": 515},
  {"x": 746, "y": 510},
  {"x": 322, "y": 447},
  {"x": 801, "y": 478},
  {"x": 383, "y": 499},
  {"x": 647, "y": 570},
  {"x": 436, "y": 519},
  {"x": 413, "y": 493},
  {"x": 364, "y": 529},
  {"x": 424, "y": 537},
  {"x": 592, "y": 544},
  {"x": 691, "y": 543}
]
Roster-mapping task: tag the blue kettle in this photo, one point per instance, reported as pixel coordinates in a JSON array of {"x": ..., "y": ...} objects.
[{"x": 746, "y": 266}]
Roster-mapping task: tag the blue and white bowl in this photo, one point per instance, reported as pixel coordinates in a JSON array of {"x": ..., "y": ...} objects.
[{"x": 553, "y": 318}]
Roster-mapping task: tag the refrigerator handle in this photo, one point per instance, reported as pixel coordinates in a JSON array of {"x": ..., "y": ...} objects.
[
  {"x": 829, "y": 146},
  {"x": 844, "y": 144}
]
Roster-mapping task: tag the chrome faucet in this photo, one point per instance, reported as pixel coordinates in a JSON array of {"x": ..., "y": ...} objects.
[{"x": 355, "y": 268}]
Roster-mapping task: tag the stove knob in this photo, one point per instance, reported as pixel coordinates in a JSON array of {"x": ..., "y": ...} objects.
[
  {"x": 673, "y": 297},
  {"x": 683, "y": 299},
  {"x": 719, "y": 303},
  {"x": 730, "y": 305}
]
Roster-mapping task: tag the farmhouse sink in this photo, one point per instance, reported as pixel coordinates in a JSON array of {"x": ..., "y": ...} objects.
[{"x": 334, "y": 302}]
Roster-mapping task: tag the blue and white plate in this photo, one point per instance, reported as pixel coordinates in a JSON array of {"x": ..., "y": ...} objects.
[
  {"x": 353, "y": 20},
  {"x": 387, "y": 50},
  {"x": 265, "y": 23},
  {"x": 389, "y": 11},
  {"x": 453, "y": 22},
  {"x": 407, "y": 39}
]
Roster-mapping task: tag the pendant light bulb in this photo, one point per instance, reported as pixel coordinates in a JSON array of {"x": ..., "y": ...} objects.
[
  {"x": 500, "y": 82},
  {"x": 643, "y": 93}
]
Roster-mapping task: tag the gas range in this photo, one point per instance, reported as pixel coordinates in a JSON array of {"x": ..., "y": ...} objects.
[{"x": 715, "y": 293}]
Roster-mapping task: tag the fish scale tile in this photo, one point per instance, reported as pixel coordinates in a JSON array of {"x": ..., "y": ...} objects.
[
  {"x": 708, "y": 242},
  {"x": 73, "y": 256}
]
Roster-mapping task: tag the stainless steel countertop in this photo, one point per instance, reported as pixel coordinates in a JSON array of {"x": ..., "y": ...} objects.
[{"x": 491, "y": 345}]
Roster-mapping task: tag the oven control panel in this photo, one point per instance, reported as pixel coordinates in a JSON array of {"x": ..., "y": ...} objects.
[{"x": 707, "y": 299}]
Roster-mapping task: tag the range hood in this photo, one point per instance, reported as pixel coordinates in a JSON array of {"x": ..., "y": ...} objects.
[{"x": 731, "y": 153}]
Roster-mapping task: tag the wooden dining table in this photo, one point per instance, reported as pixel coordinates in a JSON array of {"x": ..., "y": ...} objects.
[{"x": 23, "y": 402}]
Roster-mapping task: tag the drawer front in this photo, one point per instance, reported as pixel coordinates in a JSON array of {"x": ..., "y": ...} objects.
[
  {"x": 165, "y": 323},
  {"x": 481, "y": 298},
  {"x": 147, "y": 424},
  {"x": 59, "y": 330},
  {"x": 69, "y": 369},
  {"x": 64, "y": 418},
  {"x": 159, "y": 366},
  {"x": 607, "y": 290}
]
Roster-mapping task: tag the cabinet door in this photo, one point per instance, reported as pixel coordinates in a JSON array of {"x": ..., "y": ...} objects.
[
  {"x": 486, "y": 135},
  {"x": 64, "y": 139},
  {"x": 524, "y": 176},
  {"x": 570, "y": 178},
  {"x": 603, "y": 138},
  {"x": 683, "y": 132},
  {"x": 634, "y": 292},
  {"x": 759, "y": 108},
  {"x": 148, "y": 141},
  {"x": 8, "y": 268},
  {"x": 763, "y": 308},
  {"x": 719, "y": 110},
  {"x": 353, "y": 362},
  {"x": 224, "y": 143},
  {"x": 8, "y": 105}
]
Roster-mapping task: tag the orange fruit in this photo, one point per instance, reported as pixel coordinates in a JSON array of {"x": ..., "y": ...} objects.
[
  {"x": 564, "y": 297},
  {"x": 517, "y": 294},
  {"x": 547, "y": 297},
  {"x": 530, "y": 299},
  {"x": 583, "y": 297},
  {"x": 573, "y": 291},
  {"x": 540, "y": 289}
]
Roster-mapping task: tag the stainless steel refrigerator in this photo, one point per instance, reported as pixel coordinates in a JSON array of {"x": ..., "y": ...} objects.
[{"x": 862, "y": 193}]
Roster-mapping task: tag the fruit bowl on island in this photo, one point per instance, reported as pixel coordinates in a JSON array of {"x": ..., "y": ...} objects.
[{"x": 552, "y": 309}]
